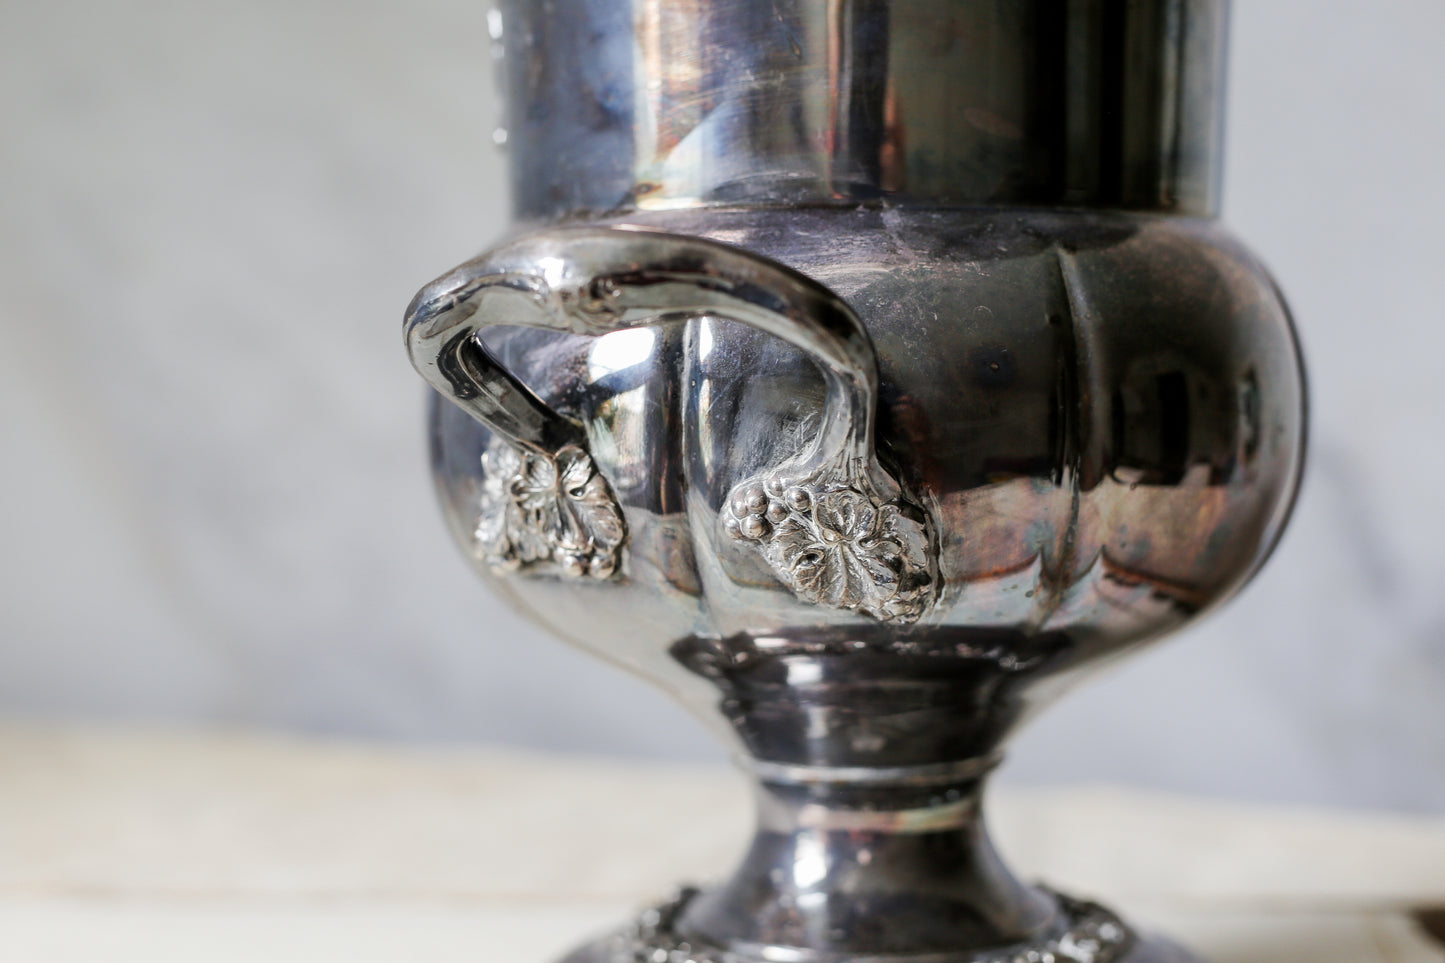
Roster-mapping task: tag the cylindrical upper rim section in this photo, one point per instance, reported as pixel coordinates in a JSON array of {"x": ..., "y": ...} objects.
[{"x": 649, "y": 104}]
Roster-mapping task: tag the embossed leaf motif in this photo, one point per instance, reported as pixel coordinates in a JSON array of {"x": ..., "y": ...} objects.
[
  {"x": 834, "y": 554},
  {"x": 833, "y": 544},
  {"x": 541, "y": 510}
]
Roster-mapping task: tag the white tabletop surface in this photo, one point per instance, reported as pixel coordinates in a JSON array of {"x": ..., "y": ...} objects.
[{"x": 165, "y": 846}]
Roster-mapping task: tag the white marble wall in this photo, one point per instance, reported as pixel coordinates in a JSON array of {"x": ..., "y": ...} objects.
[{"x": 214, "y": 498}]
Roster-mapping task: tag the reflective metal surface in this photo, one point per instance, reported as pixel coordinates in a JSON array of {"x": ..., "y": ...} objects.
[
  {"x": 864, "y": 485},
  {"x": 674, "y": 103}
]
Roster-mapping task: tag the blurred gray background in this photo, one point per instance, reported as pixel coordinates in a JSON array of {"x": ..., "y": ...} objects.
[{"x": 213, "y": 501}]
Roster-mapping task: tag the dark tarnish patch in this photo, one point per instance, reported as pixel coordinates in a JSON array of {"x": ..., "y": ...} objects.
[{"x": 1431, "y": 919}]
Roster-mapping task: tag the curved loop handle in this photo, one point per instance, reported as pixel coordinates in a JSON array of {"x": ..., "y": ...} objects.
[
  {"x": 551, "y": 505},
  {"x": 598, "y": 280}
]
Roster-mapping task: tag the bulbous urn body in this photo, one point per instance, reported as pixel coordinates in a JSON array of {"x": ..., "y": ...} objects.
[
  {"x": 1093, "y": 421},
  {"x": 868, "y": 437}
]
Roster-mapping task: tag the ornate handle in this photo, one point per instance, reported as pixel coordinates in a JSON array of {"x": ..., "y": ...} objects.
[{"x": 830, "y": 521}]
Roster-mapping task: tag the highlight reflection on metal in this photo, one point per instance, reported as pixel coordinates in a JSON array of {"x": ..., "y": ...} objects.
[{"x": 876, "y": 370}]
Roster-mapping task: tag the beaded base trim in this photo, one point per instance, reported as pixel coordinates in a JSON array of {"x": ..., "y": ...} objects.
[{"x": 1090, "y": 934}]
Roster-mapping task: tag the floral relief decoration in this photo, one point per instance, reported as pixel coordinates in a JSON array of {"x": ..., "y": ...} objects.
[
  {"x": 836, "y": 543},
  {"x": 548, "y": 512}
]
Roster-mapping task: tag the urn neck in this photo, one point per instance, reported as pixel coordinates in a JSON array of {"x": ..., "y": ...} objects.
[
  {"x": 616, "y": 105},
  {"x": 874, "y": 704}
]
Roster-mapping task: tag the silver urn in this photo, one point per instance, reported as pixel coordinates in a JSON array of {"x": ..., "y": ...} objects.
[{"x": 865, "y": 373}]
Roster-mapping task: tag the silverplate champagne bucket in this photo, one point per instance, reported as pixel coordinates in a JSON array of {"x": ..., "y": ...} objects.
[{"x": 865, "y": 373}]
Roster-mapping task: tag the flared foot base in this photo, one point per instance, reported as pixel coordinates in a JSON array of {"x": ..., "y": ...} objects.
[{"x": 1085, "y": 933}]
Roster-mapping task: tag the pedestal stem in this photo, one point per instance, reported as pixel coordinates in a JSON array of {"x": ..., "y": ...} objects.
[{"x": 848, "y": 862}]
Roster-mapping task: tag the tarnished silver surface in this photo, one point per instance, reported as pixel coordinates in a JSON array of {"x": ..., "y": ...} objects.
[{"x": 866, "y": 386}]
